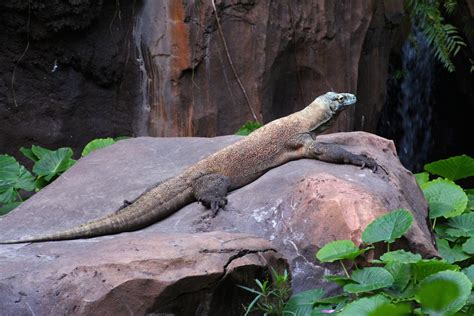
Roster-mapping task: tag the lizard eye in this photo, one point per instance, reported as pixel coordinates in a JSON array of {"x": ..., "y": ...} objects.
[{"x": 340, "y": 98}]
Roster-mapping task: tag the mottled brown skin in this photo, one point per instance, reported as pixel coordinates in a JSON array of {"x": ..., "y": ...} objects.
[{"x": 208, "y": 181}]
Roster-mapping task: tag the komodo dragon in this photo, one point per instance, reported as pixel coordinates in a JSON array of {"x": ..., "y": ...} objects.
[{"x": 208, "y": 181}]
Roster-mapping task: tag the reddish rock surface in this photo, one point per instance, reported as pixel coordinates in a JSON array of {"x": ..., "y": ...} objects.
[{"x": 298, "y": 207}]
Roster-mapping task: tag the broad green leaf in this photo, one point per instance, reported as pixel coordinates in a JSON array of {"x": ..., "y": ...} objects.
[
  {"x": 453, "y": 168},
  {"x": 331, "y": 300},
  {"x": 39, "y": 151},
  {"x": 338, "y": 279},
  {"x": 443, "y": 231},
  {"x": 425, "y": 268},
  {"x": 302, "y": 303},
  {"x": 14, "y": 175},
  {"x": 338, "y": 250},
  {"x": 451, "y": 255},
  {"x": 9, "y": 169},
  {"x": 400, "y": 256},
  {"x": 443, "y": 293},
  {"x": 388, "y": 227},
  {"x": 28, "y": 153},
  {"x": 97, "y": 144},
  {"x": 468, "y": 246},
  {"x": 8, "y": 207},
  {"x": 470, "y": 202},
  {"x": 463, "y": 223},
  {"x": 445, "y": 198},
  {"x": 401, "y": 273},
  {"x": 364, "y": 306},
  {"x": 469, "y": 272},
  {"x": 53, "y": 163},
  {"x": 388, "y": 309},
  {"x": 422, "y": 177},
  {"x": 369, "y": 279},
  {"x": 8, "y": 196}
]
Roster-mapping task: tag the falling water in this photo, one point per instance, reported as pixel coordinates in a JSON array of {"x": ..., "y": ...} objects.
[{"x": 414, "y": 106}]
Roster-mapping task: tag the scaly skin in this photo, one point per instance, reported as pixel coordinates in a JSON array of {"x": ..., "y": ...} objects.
[{"x": 208, "y": 181}]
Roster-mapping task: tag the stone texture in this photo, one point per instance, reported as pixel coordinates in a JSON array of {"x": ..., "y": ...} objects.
[
  {"x": 159, "y": 68},
  {"x": 298, "y": 207},
  {"x": 178, "y": 274}
]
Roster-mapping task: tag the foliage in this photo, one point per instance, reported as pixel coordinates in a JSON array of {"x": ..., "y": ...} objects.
[
  {"x": 271, "y": 296},
  {"x": 248, "y": 128},
  {"x": 442, "y": 37},
  {"x": 400, "y": 282},
  {"x": 48, "y": 165}
]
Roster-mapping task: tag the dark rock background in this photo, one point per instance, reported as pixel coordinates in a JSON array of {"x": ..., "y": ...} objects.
[
  {"x": 92, "y": 92},
  {"x": 159, "y": 68}
]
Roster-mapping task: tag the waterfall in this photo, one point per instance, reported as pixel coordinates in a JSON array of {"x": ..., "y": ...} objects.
[{"x": 414, "y": 101}]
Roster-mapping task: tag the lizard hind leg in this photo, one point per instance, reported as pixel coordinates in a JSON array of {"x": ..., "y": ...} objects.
[{"x": 211, "y": 191}]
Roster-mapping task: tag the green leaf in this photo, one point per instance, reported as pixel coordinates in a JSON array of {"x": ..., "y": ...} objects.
[
  {"x": 338, "y": 250},
  {"x": 53, "y": 163},
  {"x": 401, "y": 273},
  {"x": 388, "y": 227},
  {"x": 302, "y": 303},
  {"x": 364, "y": 306},
  {"x": 425, "y": 268},
  {"x": 469, "y": 272},
  {"x": 8, "y": 196},
  {"x": 445, "y": 198},
  {"x": 422, "y": 177},
  {"x": 400, "y": 256},
  {"x": 248, "y": 128},
  {"x": 97, "y": 144},
  {"x": 389, "y": 309},
  {"x": 338, "y": 279},
  {"x": 369, "y": 279},
  {"x": 468, "y": 246},
  {"x": 451, "y": 255},
  {"x": 39, "y": 151},
  {"x": 445, "y": 292},
  {"x": 453, "y": 168},
  {"x": 14, "y": 175},
  {"x": 470, "y": 202},
  {"x": 8, "y": 207},
  {"x": 461, "y": 225},
  {"x": 28, "y": 153}
]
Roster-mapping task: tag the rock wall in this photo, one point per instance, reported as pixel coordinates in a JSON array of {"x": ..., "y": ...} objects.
[{"x": 159, "y": 68}]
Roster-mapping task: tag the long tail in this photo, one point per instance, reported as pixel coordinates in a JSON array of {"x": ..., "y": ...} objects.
[{"x": 151, "y": 207}]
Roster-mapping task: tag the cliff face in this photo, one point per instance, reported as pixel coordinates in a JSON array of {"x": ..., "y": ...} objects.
[
  {"x": 160, "y": 68},
  {"x": 285, "y": 53}
]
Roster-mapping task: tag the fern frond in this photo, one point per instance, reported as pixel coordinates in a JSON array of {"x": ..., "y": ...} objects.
[{"x": 443, "y": 38}]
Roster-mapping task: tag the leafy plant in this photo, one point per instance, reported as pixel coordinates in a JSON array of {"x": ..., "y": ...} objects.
[
  {"x": 248, "y": 128},
  {"x": 442, "y": 37},
  {"x": 48, "y": 165},
  {"x": 271, "y": 296}
]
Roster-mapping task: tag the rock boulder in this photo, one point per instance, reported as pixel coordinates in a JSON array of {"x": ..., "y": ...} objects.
[{"x": 298, "y": 207}]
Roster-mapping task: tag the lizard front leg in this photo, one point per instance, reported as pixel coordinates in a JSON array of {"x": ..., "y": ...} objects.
[
  {"x": 211, "y": 191},
  {"x": 328, "y": 152},
  {"x": 334, "y": 153}
]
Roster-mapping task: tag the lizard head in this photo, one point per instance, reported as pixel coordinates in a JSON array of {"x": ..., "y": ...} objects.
[
  {"x": 323, "y": 111},
  {"x": 336, "y": 102}
]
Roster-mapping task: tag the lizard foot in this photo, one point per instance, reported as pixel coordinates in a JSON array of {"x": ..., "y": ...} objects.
[{"x": 210, "y": 190}]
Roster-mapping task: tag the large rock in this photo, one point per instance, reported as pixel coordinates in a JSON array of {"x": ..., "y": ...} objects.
[
  {"x": 298, "y": 207},
  {"x": 111, "y": 68},
  {"x": 181, "y": 274}
]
